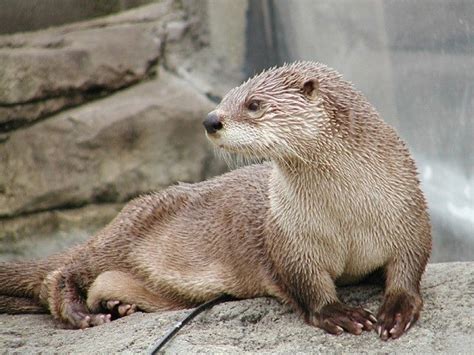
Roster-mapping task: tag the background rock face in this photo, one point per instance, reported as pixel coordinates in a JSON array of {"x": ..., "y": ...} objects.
[
  {"x": 146, "y": 137},
  {"x": 136, "y": 127},
  {"x": 44, "y": 72},
  {"x": 264, "y": 326}
]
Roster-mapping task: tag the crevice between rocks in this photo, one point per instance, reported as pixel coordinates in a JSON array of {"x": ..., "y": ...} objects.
[{"x": 76, "y": 96}]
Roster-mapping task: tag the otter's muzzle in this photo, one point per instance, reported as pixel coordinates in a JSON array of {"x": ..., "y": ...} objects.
[{"x": 212, "y": 123}]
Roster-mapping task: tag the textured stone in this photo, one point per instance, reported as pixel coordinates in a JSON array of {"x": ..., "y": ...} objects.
[
  {"x": 264, "y": 326},
  {"x": 175, "y": 30},
  {"x": 90, "y": 62},
  {"x": 46, "y": 71},
  {"x": 143, "y": 138}
]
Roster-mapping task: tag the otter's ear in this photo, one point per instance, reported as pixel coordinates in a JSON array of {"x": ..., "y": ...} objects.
[{"x": 310, "y": 88}]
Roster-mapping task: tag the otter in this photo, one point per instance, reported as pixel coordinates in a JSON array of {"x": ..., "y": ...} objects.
[{"x": 336, "y": 200}]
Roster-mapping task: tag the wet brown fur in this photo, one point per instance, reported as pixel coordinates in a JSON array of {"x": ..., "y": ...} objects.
[{"x": 339, "y": 200}]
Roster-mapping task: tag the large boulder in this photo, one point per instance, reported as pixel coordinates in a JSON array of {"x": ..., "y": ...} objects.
[{"x": 264, "y": 326}]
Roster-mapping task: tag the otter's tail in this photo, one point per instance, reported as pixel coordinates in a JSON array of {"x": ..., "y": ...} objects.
[
  {"x": 19, "y": 305},
  {"x": 20, "y": 285}
]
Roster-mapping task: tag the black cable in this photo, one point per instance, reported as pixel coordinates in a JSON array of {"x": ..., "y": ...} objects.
[{"x": 209, "y": 304}]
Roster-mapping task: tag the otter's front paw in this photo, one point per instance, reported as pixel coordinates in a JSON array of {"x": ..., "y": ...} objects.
[
  {"x": 336, "y": 318},
  {"x": 398, "y": 313},
  {"x": 118, "y": 309}
]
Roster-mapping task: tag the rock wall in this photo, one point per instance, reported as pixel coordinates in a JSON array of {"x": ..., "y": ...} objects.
[{"x": 91, "y": 115}]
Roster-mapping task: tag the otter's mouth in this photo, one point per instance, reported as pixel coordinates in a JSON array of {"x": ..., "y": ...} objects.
[
  {"x": 229, "y": 148},
  {"x": 249, "y": 154},
  {"x": 237, "y": 157}
]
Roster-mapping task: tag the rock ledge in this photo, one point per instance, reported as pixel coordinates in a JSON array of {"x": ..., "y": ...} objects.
[{"x": 264, "y": 326}]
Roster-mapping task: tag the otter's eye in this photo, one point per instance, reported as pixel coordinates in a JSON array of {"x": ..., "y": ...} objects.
[{"x": 253, "y": 105}]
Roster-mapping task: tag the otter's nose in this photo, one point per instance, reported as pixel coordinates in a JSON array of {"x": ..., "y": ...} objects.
[{"x": 212, "y": 123}]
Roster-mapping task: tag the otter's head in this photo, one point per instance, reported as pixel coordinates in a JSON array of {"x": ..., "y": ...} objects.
[{"x": 278, "y": 114}]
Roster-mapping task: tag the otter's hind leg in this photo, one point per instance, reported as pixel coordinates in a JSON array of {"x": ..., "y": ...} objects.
[
  {"x": 121, "y": 294},
  {"x": 62, "y": 293}
]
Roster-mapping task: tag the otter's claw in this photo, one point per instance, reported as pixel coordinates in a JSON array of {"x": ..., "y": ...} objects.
[
  {"x": 397, "y": 314},
  {"x": 337, "y": 317}
]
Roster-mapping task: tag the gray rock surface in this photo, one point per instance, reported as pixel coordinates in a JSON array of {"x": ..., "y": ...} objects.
[
  {"x": 141, "y": 139},
  {"x": 46, "y": 71},
  {"x": 264, "y": 326}
]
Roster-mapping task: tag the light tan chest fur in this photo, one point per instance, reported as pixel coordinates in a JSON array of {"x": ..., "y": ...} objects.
[{"x": 345, "y": 229}]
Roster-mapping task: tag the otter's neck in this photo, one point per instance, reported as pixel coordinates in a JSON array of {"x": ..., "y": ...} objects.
[{"x": 298, "y": 193}]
